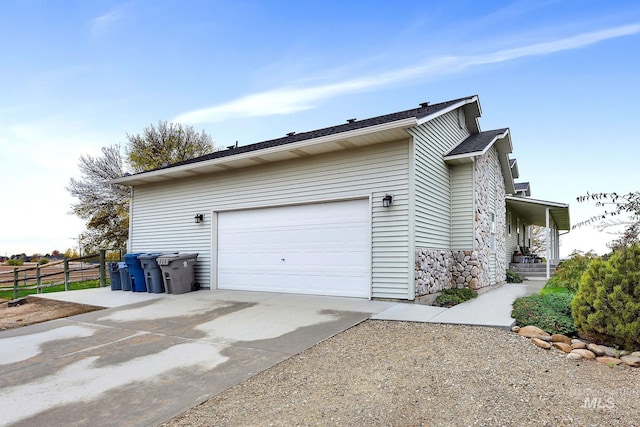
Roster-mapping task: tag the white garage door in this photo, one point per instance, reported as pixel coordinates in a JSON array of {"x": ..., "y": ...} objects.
[{"x": 321, "y": 249}]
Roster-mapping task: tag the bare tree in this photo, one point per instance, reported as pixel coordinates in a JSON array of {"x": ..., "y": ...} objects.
[
  {"x": 539, "y": 240},
  {"x": 103, "y": 205},
  {"x": 620, "y": 210}
]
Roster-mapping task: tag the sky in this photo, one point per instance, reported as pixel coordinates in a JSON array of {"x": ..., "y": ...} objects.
[{"x": 76, "y": 76}]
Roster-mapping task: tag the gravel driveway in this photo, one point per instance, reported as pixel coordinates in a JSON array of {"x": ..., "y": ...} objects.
[{"x": 398, "y": 373}]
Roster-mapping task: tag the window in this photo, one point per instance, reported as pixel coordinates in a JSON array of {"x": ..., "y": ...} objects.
[{"x": 509, "y": 223}]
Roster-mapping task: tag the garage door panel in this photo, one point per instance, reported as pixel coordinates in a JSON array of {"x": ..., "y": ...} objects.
[{"x": 314, "y": 249}]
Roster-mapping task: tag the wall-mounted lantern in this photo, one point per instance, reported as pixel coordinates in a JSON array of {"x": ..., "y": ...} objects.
[
  {"x": 387, "y": 200},
  {"x": 199, "y": 218}
]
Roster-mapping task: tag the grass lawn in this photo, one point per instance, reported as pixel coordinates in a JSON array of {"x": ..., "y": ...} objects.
[{"x": 8, "y": 294}]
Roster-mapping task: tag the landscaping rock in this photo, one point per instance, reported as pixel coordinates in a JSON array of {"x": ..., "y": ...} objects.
[
  {"x": 540, "y": 343},
  {"x": 560, "y": 338},
  {"x": 586, "y": 354},
  {"x": 609, "y": 360},
  {"x": 532, "y": 332},
  {"x": 577, "y": 349},
  {"x": 563, "y": 346},
  {"x": 633, "y": 361},
  {"x": 578, "y": 345},
  {"x": 595, "y": 349},
  {"x": 610, "y": 351},
  {"x": 515, "y": 328}
]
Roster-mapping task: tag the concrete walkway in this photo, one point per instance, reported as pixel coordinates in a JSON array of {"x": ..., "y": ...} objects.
[{"x": 492, "y": 308}]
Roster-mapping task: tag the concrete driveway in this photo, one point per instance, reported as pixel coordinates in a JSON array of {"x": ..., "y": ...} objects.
[{"x": 142, "y": 364}]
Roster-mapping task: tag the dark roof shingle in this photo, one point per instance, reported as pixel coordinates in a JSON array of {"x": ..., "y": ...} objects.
[
  {"x": 476, "y": 143},
  {"x": 423, "y": 111}
]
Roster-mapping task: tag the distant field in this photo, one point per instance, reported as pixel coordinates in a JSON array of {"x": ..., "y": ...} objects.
[{"x": 6, "y": 273}]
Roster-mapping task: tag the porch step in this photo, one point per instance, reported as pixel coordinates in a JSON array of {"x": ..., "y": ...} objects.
[{"x": 532, "y": 270}]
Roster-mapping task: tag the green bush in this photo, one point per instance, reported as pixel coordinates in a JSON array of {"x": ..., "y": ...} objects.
[
  {"x": 15, "y": 262},
  {"x": 569, "y": 272},
  {"x": 42, "y": 261},
  {"x": 607, "y": 305},
  {"x": 451, "y": 297},
  {"x": 550, "y": 312},
  {"x": 513, "y": 277}
]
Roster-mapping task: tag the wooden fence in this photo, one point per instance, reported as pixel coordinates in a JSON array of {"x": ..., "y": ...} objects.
[{"x": 66, "y": 271}]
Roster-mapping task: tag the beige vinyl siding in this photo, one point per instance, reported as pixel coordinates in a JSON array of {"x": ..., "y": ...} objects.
[
  {"x": 462, "y": 206},
  {"x": 511, "y": 243},
  {"x": 432, "y": 140},
  {"x": 163, "y": 213}
]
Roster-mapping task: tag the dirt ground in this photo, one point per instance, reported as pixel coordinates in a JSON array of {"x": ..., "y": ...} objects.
[{"x": 38, "y": 310}]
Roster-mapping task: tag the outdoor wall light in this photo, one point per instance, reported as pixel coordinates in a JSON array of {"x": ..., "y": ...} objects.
[
  {"x": 387, "y": 200},
  {"x": 199, "y": 218}
]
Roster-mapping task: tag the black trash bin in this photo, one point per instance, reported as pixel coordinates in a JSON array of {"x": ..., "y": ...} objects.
[
  {"x": 125, "y": 278},
  {"x": 178, "y": 272},
  {"x": 152, "y": 272},
  {"x": 114, "y": 277}
]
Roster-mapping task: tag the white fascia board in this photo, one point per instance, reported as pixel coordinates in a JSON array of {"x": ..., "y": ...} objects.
[
  {"x": 449, "y": 108},
  {"x": 404, "y": 123}
]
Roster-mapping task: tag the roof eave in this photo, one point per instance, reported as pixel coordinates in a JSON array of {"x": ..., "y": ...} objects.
[
  {"x": 558, "y": 211},
  {"x": 224, "y": 162},
  {"x": 471, "y": 120}
]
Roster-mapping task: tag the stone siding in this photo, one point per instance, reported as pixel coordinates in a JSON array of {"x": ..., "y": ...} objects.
[
  {"x": 438, "y": 269},
  {"x": 488, "y": 193}
]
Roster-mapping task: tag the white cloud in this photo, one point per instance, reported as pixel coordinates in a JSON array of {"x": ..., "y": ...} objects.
[
  {"x": 290, "y": 99},
  {"x": 103, "y": 23}
]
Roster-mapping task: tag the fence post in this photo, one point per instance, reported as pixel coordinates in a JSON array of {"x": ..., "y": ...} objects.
[
  {"x": 103, "y": 275},
  {"x": 66, "y": 274},
  {"x": 15, "y": 283},
  {"x": 38, "y": 280}
]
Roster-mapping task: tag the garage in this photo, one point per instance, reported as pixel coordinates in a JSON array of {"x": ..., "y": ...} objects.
[{"x": 320, "y": 249}]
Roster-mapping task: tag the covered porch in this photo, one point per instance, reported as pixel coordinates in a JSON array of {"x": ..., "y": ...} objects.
[{"x": 553, "y": 216}]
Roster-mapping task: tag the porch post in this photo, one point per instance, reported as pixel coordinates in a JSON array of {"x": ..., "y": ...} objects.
[{"x": 548, "y": 244}]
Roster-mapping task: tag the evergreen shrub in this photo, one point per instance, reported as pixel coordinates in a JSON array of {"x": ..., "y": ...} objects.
[
  {"x": 550, "y": 312},
  {"x": 607, "y": 305}
]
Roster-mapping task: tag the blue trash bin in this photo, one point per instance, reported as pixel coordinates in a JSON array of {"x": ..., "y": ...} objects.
[
  {"x": 135, "y": 272},
  {"x": 114, "y": 277},
  {"x": 152, "y": 272},
  {"x": 125, "y": 278}
]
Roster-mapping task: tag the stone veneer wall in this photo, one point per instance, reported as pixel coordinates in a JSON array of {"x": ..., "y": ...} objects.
[
  {"x": 485, "y": 191},
  {"x": 438, "y": 269},
  {"x": 501, "y": 230}
]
